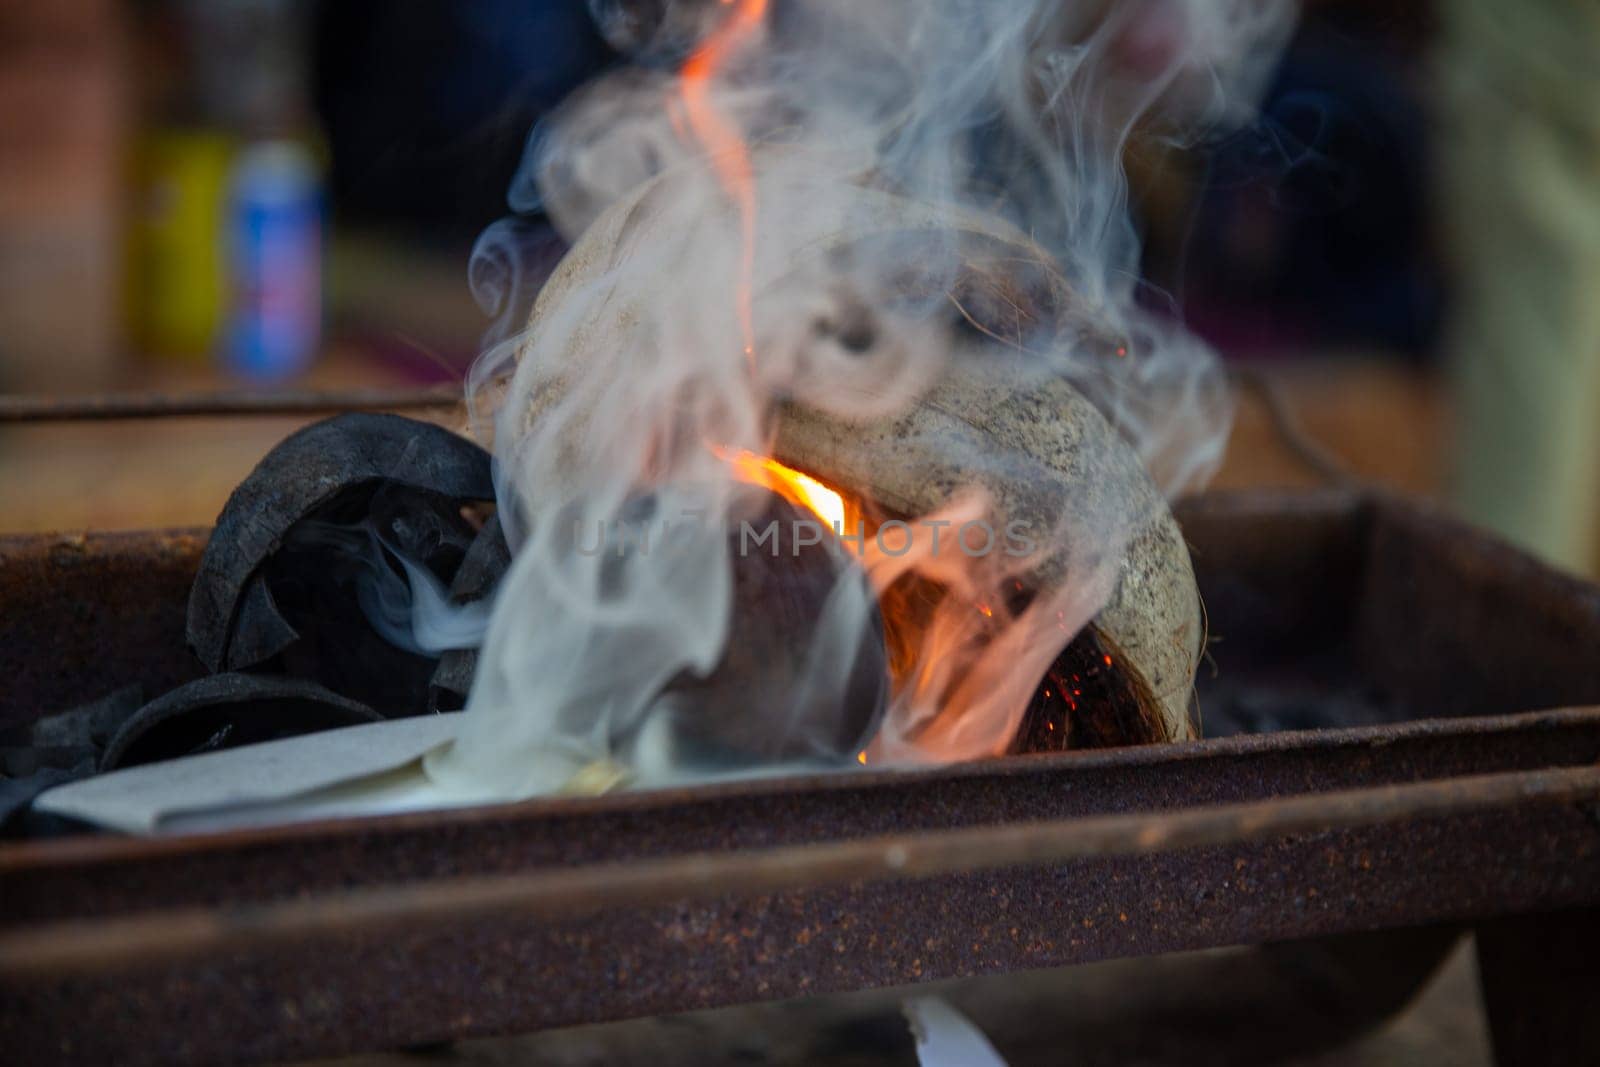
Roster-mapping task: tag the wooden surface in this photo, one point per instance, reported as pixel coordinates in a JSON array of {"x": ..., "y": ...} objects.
[
  {"x": 1386, "y": 424},
  {"x": 152, "y": 473}
]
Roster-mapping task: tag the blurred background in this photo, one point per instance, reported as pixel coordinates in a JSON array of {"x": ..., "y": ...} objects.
[{"x": 1399, "y": 260}]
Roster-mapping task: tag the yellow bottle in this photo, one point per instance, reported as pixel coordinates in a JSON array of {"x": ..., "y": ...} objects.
[{"x": 177, "y": 272}]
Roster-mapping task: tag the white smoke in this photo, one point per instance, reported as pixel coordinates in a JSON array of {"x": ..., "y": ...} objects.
[{"x": 884, "y": 139}]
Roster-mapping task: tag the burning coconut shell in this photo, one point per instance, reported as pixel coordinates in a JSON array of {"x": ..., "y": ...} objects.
[
  {"x": 1065, "y": 458},
  {"x": 1059, "y": 457}
]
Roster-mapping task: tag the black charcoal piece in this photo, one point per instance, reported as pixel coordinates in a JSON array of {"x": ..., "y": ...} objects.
[
  {"x": 54, "y": 750},
  {"x": 17, "y": 796},
  {"x": 313, "y": 539},
  {"x": 485, "y": 564},
  {"x": 480, "y": 573},
  {"x": 87, "y": 726},
  {"x": 260, "y": 631},
  {"x": 226, "y": 711},
  {"x": 25, "y": 761},
  {"x": 339, "y": 581},
  {"x": 764, "y": 701}
]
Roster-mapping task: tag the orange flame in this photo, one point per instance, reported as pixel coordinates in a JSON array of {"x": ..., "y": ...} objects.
[
  {"x": 799, "y": 489},
  {"x": 729, "y": 155}
]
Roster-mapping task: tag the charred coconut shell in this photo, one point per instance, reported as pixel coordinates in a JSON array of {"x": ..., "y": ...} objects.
[
  {"x": 812, "y": 709},
  {"x": 1061, "y": 458},
  {"x": 226, "y": 711},
  {"x": 317, "y": 526},
  {"x": 486, "y": 562}
]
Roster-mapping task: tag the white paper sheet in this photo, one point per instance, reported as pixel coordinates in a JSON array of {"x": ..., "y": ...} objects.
[{"x": 369, "y": 769}]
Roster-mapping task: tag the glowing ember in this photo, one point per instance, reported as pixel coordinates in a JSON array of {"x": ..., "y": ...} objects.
[
  {"x": 799, "y": 489},
  {"x": 729, "y": 155}
]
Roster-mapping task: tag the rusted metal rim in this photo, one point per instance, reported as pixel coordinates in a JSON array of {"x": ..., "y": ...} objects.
[
  {"x": 160, "y": 405},
  {"x": 264, "y": 965},
  {"x": 1204, "y": 757},
  {"x": 172, "y": 937}
]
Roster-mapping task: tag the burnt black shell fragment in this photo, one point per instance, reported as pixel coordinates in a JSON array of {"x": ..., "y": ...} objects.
[
  {"x": 329, "y": 581},
  {"x": 480, "y": 573},
  {"x": 275, "y": 588},
  {"x": 52, "y": 751},
  {"x": 260, "y": 631},
  {"x": 755, "y": 705},
  {"x": 17, "y": 817},
  {"x": 226, "y": 711},
  {"x": 88, "y": 726}
]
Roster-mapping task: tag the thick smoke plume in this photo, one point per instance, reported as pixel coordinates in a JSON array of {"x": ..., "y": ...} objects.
[{"x": 805, "y": 185}]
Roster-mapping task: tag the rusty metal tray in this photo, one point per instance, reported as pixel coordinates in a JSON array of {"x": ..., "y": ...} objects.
[{"x": 1468, "y": 792}]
